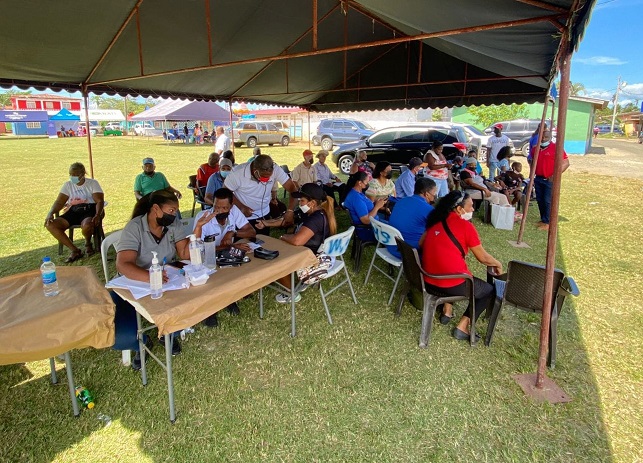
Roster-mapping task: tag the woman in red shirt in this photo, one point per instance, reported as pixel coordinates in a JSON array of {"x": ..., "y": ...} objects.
[{"x": 441, "y": 255}]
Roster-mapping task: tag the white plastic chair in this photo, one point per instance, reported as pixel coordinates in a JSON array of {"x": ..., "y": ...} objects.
[
  {"x": 385, "y": 236},
  {"x": 111, "y": 240},
  {"x": 335, "y": 246}
]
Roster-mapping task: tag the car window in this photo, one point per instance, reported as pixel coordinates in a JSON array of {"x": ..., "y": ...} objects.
[
  {"x": 272, "y": 127},
  {"x": 516, "y": 127},
  {"x": 338, "y": 126},
  {"x": 325, "y": 124},
  {"x": 474, "y": 130},
  {"x": 363, "y": 125},
  {"x": 249, "y": 127},
  {"x": 438, "y": 135},
  {"x": 461, "y": 134},
  {"x": 411, "y": 136},
  {"x": 261, "y": 126},
  {"x": 386, "y": 136}
]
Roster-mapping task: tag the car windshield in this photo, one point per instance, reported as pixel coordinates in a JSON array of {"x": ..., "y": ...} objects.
[
  {"x": 363, "y": 125},
  {"x": 474, "y": 130}
]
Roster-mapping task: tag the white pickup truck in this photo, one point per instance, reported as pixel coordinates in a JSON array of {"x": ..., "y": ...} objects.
[{"x": 146, "y": 129}]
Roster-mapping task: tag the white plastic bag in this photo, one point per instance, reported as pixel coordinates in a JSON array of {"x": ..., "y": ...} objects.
[{"x": 502, "y": 217}]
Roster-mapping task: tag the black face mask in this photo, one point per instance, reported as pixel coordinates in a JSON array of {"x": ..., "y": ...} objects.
[
  {"x": 149, "y": 174},
  {"x": 389, "y": 175},
  {"x": 222, "y": 216},
  {"x": 166, "y": 220},
  {"x": 364, "y": 189}
]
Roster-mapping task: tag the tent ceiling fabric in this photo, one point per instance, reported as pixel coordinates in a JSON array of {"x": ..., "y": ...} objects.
[{"x": 370, "y": 54}]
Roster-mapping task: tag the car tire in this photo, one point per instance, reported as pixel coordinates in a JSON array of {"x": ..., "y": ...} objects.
[
  {"x": 327, "y": 144},
  {"x": 270, "y": 144},
  {"x": 238, "y": 145},
  {"x": 252, "y": 142},
  {"x": 525, "y": 149},
  {"x": 345, "y": 163},
  {"x": 316, "y": 140},
  {"x": 285, "y": 141}
]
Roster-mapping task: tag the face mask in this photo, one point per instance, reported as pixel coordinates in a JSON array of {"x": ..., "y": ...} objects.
[
  {"x": 467, "y": 216},
  {"x": 545, "y": 144},
  {"x": 309, "y": 160},
  {"x": 364, "y": 189},
  {"x": 222, "y": 216},
  {"x": 389, "y": 175},
  {"x": 149, "y": 174},
  {"x": 261, "y": 179},
  {"x": 224, "y": 173},
  {"x": 305, "y": 208},
  {"x": 74, "y": 180},
  {"x": 166, "y": 220}
]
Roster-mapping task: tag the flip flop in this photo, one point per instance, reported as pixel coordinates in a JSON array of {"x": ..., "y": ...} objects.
[{"x": 74, "y": 256}]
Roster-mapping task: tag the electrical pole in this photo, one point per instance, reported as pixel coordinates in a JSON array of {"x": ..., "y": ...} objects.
[{"x": 618, "y": 89}]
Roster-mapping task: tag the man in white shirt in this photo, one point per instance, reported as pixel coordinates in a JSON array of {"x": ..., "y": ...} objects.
[
  {"x": 223, "y": 142},
  {"x": 226, "y": 222},
  {"x": 252, "y": 185},
  {"x": 329, "y": 181},
  {"x": 304, "y": 172},
  {"x": 496, "y": 142}
]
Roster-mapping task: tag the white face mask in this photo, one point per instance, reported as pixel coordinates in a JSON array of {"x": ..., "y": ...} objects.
[
  {"x": 305, "y": 208},
  {"x": 467, "y": 216}
]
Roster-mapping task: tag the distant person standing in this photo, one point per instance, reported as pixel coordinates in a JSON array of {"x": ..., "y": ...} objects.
[
  {"x": 544, "y": 180},
  {"x": 596, "y": 130},
  {"x": 186, "y": 132},
  {"x": 494, "y": 145},
  {"x": 223, "y": 141}
]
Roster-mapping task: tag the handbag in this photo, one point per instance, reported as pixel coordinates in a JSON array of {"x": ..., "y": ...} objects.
[
  {"x": 316, "y": 272},
  {"x": 502, "y": 217}
]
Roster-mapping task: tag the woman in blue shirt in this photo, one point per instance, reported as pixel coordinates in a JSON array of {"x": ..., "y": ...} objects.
[{"x": 360, "y": 208}]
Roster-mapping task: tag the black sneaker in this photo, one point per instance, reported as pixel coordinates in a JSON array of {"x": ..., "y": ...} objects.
[
  {"x": 176, "y": 344},
  {"x": 212, "y": 321},
  {"x": 233, "y": 309},
  {"x": 136, "y": 362}
]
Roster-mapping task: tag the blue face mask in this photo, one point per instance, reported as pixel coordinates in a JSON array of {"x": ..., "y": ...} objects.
[
  {"x": 224, "y": 173},
  {"x": 74, "y": 180}
]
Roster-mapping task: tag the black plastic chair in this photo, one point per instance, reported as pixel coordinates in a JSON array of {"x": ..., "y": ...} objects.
[
  {"x": 523, "y": 287},
  {"x": 358, "y": 246},
  {"x": 198, "y": 197},
  {"x": 97, "y": 237},
  {"x": 286, "y": 169},
  {"x": 431, "y": 299}
]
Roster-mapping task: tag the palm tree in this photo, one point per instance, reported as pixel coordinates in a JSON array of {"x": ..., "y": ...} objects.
[{"x": 576, "y": 89}]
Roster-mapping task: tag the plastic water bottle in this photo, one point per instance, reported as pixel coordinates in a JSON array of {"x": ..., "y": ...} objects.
[
  {"x": 156, "y": 278},
  {"x": 84, "y": 397},
  {"x": 210, "y": 251},
  {"x": 195, "y": 252},
  {"x": 49, "y": 281}
]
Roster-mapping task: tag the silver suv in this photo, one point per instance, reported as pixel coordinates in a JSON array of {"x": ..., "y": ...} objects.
[
  {"x": 253, "y": 133},
  {"x": 337, "y": 131}
]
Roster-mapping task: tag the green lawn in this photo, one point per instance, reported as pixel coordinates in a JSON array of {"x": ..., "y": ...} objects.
[{"x": 359, "y": 390}]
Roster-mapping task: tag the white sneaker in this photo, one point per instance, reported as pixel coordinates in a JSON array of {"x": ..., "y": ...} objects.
[{"x": 285, "y": 298}]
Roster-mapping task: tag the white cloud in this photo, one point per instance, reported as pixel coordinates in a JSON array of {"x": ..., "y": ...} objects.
[
  {"x": 599, "y": 93},
  {"x": 633, "y": 91},
  {"x": 601, "y": 61}
]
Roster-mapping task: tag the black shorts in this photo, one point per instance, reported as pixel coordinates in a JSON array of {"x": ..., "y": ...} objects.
[{"x": 78, "y": 213}]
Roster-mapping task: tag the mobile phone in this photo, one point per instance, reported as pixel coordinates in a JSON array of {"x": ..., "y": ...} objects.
[
  {"x": 258, "y": 241},
  {"x": 177, "y": 264}
]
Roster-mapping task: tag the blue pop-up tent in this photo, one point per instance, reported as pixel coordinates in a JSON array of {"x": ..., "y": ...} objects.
[{"x": 64, "y": 115}]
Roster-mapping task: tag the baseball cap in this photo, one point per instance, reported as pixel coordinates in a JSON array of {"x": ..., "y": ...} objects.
[
  {"x": 310, "y": 190},
  {"x": 322, "y": 153},
  {"x": 307, "y": 153},
  {"x": 148, "y": 161},
  {"x": 225, "y": 162},
  {"x": 470, "y": 160},
  {"x": 414, "y": 162},
  {"x": 498, "y": 126}
]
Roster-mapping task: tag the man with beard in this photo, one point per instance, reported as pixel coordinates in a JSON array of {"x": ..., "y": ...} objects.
[{"x": 149, "y": 181}]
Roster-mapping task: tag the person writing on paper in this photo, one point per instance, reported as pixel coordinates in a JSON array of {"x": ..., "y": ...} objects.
[
  {"x": 226, "y": 222},
  {"x": 447, "y": 240},
  {"x": 153, "y": 227}
]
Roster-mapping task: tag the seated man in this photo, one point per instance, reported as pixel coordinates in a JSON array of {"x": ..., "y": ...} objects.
[
  {"x": 410, "y": 214},
  {"x": 205, "y": 170},
  {"x": 475, "y": 186},
  {"x": 405, "y": 184},
  {"x": 150, "y": 181},
  {"x": 226, "y": 222},
  {"x": 216, "y": 180},
  {"x": 304, "y": 172}
]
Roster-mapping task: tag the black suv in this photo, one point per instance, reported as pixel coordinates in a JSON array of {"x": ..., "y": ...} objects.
[
  {"x": 519, "y": 131},
  {"x": 398, "y": 145}
]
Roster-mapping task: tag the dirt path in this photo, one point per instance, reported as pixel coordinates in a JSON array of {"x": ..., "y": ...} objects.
[{"x": 616, "y": 158}]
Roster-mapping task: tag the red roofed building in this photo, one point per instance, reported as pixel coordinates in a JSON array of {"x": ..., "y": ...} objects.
[{"x": 45, "y": 102}]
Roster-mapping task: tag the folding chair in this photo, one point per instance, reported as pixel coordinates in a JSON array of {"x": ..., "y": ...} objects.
[
  {"x": 385, "y": 236},
  {"x": 431, "y": 299},
  {"x": 335, "y": 246},
  {"x": 198, "y": 198},
  {"x": 97, "y": 237},
  {"x": 523, "y": 287}
]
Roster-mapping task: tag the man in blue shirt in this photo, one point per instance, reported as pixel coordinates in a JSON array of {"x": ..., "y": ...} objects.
[
  {"x": 409, "y": 214},
  {"x": 405, "y": 184}
]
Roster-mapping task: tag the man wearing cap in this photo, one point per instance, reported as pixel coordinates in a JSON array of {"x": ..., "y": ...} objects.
[
  {"x": 205, "y": 171},
  {"x": 252, "y": 184},
  {"x": 405, "y": 184},
  {"x": 496, "y": 142},
  {"x": 304, "y": 172},
  {"x": 474, "y": 184},
  {"x": 544, "y": 179},
  {"x": 327, "y": 179},
  {"x": 216, "y": 180},
  {"x": 149, "y": 181}
]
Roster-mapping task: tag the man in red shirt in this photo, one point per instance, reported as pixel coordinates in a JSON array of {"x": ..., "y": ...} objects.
[
  {"x": 544, "y": 179},
  {"x": 204, "y": 172}
]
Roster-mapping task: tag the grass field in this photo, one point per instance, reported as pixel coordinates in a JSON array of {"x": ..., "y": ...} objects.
[{"x": 359, "y": 390}]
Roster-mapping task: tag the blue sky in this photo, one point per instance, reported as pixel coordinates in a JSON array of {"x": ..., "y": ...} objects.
[{"x": 612, "y": 47}]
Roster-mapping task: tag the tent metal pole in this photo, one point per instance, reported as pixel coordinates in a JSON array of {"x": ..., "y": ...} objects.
[
  {"x": 309, "y": 137},
  {"x": 532, "y": 172},
  {"x": 89, "y": 132},
  {"x": 550, "y": 265},
  {"x": 231, "y": 126}
]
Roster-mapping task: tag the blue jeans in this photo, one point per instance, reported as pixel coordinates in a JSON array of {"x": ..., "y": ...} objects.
[
  {"x": 443, "y": 186},
  {"x": 493, "y": 170},
  {"x": 543, "y": 196}
]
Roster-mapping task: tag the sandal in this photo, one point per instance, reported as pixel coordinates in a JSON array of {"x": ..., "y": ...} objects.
[{"x": 74, "y": 256}]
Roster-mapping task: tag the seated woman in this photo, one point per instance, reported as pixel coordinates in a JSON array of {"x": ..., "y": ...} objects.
[
  {"x": 360, "y": 208},
  {"x": 381, "y": 186},
  {"x": 318, "y": 224},
  {"x": 82, "y": 200},
  {"x": 438, "y": 168},
  {"x": 512, "y": 181},
  {"x": 362, "y": 164},
  {"x": 504, "y": 155},
  {"x": 153, "y": 227},
  {"x": 448, "y": 238}
]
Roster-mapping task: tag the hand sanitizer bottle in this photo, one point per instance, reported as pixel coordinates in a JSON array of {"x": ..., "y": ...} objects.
[
  {"x": 156, "y": 278},
  {"x": 195, "y": 252}
]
